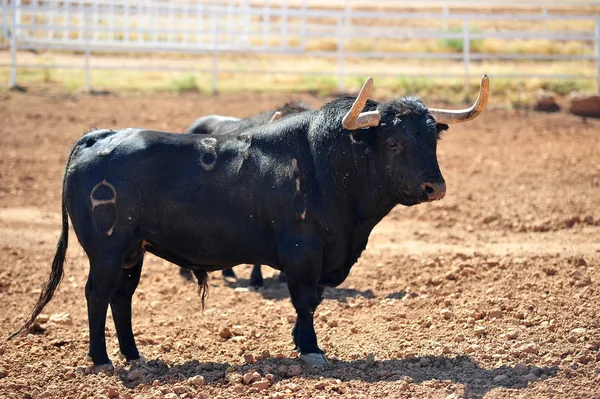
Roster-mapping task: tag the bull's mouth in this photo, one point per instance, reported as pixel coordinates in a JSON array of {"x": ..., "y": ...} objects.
[{"x": 411, "y": 201}]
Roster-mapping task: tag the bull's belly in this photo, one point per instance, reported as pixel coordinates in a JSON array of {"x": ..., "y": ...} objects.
[{"x": 214, "y": 249}]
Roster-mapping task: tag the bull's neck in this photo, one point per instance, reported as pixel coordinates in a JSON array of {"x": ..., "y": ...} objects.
[{"x": 358, "y": 181}]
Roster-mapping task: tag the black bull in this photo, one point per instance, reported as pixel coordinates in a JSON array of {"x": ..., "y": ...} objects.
[
  {"x": 218, "y": 125},
  {"x": 301, "y": 195}
]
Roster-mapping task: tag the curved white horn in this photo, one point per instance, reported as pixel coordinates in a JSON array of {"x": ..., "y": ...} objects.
[
  {"x": 355, "y": 119},
  {"x": 276, "y": 116},
  {"x": 464, "y": 115}
]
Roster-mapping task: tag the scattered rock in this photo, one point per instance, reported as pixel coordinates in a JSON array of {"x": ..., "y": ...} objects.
[
  {"x": 260, "y": 385},
  {"x": 460, "y": 337},
  {"x": 480, "y": 331},
  {"x": 249, "y": 359},
  {"x": 197, "y": 381},
  {"x": 171, "y": 395},
  {"x": 369, "y": 360},
  {"x": 61, "y": 318},
  {"x": 294, "y": 370},
  {"x": 521, "y": 369},
  {"x": 500, "y": 379},
  {"x": 113, "y": 392},
  {"x": 181, "y": 389},
  {"x": 494, "y": 314},
  {"x": 134, "y": 375},
  {"x": 529, "y": 377},
  {"x": 578, "y": 331},
  {"x": 512, "y": 334},
  {"x": 234, "y": 378},
  {"x": 580, "y": 262},
  {"x": 320, "y": 385},
  {"x": 546, "y": 102},
  {"x": 248, "y": 378},
  {"x": 293, "y": 387},
  {"x": 585, "y": 105},
  {"x": 225, "y": 333},
  {"x": 402, "y": 386},
  {"x": 520, "y": 348},
  {"x": 446, "y": 314}
]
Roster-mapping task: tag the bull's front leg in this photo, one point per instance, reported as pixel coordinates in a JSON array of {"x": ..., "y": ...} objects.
[{"x": 302, "y": 266}]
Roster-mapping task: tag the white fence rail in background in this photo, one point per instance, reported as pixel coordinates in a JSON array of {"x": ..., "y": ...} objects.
[{"x": 287, "y": 27}]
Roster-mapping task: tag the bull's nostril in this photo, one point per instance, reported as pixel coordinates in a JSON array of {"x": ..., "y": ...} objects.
[{"x": 429, "y": 190}]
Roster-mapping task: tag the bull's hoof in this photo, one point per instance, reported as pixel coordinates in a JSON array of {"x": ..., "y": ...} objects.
[
  {"x": 107, "y": 368},
  {"x": 282, "y": 279},
  {"x": 186, "y": 274},
  {"x": 229, "y": 276},
  {"x": 314, "y": 359},
  {"x": 137, "y": 362}
]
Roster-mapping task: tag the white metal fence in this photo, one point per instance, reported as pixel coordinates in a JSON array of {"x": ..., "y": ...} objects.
[{"x": 288, "y": 27}]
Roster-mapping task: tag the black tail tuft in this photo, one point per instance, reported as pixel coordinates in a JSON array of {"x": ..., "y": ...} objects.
[
  {"x": 202, "y": 278},
  {"x": 56, "y": 273}
]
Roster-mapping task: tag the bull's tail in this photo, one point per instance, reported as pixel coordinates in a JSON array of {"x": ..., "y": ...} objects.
[
  {"x": 56, "y": 273},
  {"x": 202, "y": 278}
]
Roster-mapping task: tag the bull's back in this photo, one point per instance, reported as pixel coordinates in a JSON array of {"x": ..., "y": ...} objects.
[{"x": 158, "y": 187}]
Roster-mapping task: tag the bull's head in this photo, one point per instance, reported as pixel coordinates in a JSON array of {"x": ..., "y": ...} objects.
[{"x": 407, "y": 133}]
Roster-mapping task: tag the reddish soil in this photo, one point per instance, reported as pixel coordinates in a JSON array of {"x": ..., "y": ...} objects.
[{"x": 492, "y": 292}]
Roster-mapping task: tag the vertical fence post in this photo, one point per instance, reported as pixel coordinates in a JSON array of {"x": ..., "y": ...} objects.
[
  {"x": 598, "y": 52},
  {"x": 340, "y": 54},
  {"x": 446, "y": 14},
  {"x": 14, "y": 29},
  {"x": 87, "y": 34},
  {"x": 466, "y": 52},
  {"x": 284, "y": 24},
  {"x": 303, "y": 24},
  {"x": 266, "y": 23},
  {"x": 215, "y": 55},
  {"x": 127, "y": 26},
  {"x": 4, "y": 4},
  {"x": 545, "y": 15}
]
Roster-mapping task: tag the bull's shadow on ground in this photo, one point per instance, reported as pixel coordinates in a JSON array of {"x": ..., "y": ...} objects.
[
  {"x": 459, "y": 370},
  {"x": 275, "y": 290}
]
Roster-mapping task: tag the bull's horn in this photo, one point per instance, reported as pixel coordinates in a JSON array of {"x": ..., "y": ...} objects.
[
  {"x": 355, "y": 119},
  {"x": 465, "y": 115},
  {"x": 276, "y": 116}
]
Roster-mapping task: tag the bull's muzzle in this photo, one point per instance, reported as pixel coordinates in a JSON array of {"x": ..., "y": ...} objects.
[{"x": 434, "y": 191}]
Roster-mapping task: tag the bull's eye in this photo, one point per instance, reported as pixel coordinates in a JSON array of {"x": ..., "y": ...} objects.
[{"x": 393, "y": 145}]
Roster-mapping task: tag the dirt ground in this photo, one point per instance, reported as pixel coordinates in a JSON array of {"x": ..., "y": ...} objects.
[{"x": 491, "y": 292}]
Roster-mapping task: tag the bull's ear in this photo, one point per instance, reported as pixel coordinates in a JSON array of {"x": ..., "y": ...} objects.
[{"x": 441, "y": 127}]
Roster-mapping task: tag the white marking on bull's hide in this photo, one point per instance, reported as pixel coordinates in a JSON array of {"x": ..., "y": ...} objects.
[
  {"x": 115, "y": 141},
  {"x": 208, "y": 159},
  {"x": 295, "y": 173},
  {"x": 209, "y": 142},
  {"x": 96, "y": 202},
  {"x": 110, "y": 201}
]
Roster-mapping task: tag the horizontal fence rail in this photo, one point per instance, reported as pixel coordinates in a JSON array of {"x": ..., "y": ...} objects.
[{"x": 343, "y": 30}]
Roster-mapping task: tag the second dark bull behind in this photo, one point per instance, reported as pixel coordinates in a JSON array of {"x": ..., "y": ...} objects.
[{"x": 219, "y": 125}]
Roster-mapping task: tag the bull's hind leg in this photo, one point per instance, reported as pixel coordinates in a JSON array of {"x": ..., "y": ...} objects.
[
  {"x": 256, "y": 277},
  {"x": 105, "y": 269},
  {"x": 120, "y": 304}
]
